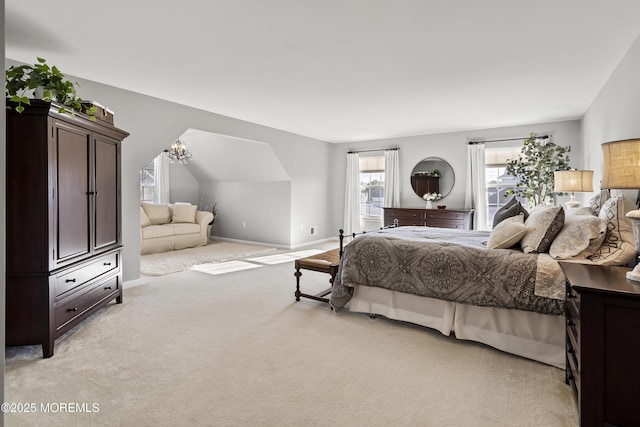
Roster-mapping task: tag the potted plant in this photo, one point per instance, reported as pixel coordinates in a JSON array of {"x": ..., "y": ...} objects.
[
  {"x": 534, "y": 168},
  {"x": 40, "y": 81}
]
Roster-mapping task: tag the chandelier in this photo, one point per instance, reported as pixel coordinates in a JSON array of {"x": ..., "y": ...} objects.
[{"x": 178, "y": 153}]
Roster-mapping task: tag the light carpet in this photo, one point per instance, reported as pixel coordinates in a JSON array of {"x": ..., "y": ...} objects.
[
  {"x": 237, "y": 350},
  {"x": 215, "y": 252}
]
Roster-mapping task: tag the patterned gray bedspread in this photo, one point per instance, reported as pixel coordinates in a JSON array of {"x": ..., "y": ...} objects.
[{"x": 452, "y": 265}]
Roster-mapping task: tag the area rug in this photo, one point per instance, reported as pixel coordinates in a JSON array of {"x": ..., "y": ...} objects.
[{"x": 215, "y": 252}]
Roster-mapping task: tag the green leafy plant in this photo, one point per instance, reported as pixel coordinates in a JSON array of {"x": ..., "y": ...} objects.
[
  {"x": 21, "y": 82},
  {"x": 534, "y": 168}
]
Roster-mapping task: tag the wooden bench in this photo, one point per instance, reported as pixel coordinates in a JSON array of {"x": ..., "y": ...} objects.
[{"x": 326, "y": 262}]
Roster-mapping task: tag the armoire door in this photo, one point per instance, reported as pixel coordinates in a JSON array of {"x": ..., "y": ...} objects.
[
  {"x": 106, "y": 193},
  {"x": 71, "y": 192}
]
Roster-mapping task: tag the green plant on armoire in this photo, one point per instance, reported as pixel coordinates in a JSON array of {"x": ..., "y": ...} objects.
[{"x": 41, "y": 81}]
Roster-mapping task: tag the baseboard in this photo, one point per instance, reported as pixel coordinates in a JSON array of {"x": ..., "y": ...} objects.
[{"x": 278, "y": 246}]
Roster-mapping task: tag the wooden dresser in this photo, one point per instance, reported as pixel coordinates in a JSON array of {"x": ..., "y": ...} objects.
[
  {"x": 63, "y": 222},
  {"x": 441, "y": 218},
  {"x": 603, "y": 320}
]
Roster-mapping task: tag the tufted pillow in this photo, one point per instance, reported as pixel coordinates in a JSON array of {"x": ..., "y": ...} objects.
[
  {"x": 618, "y": 247},
  {"x": 158, "y": 213},
  {"x": 510, "y": 209},
  {"x": 184, "y": 213},
  {"x": 144, "y": 219},
  {"x": 580, "y": 237},
  {"x": 507, "y": 233},
  {"x": 543, "y": 224}
]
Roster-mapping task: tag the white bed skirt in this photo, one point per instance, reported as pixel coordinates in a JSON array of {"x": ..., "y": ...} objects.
[{"x": 532, "y": 335}]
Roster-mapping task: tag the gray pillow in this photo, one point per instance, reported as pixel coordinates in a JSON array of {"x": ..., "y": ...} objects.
[{"x": 510, "y": 209}]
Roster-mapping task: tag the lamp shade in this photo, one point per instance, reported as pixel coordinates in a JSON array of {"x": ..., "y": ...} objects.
[
  {"x": 621, "y": 169},
  {"x": 573, "y": 181}
]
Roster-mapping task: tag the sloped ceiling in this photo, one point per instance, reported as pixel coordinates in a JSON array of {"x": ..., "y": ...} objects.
[
  {"x": 221, "y": 158},
  {"x": 341, "y": 70}
]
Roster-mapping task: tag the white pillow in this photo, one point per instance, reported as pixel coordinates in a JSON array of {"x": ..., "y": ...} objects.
[
  {"x": 507, "y": 232},
  {"x": 144, "y": 219},
  {"x": 158, "y": 213},
  {"x": 184, "y": 213},
  {"x": 618, "y": 247},
  {"x": 543, "y": 225},
  {"x": 580, "y": 237}
]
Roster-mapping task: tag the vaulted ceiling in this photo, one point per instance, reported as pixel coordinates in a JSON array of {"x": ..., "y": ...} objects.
[{"x": 340, "y": 70}]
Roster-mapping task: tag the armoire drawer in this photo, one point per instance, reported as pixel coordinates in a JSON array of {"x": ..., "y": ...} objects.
[
  {"x": 79, "y": 275},
  {"x": 87, "y": 299}
]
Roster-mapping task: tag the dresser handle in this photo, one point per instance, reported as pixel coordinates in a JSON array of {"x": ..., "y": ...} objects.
[
  {"x": 70, "y": 280},
  {"x": 72, "y": 309},
  {"x": 107, "y": 263},
  {"x": 107, "y": 288}
]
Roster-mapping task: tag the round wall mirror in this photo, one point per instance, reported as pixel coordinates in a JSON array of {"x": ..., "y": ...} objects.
[{"x": 432, "y": 175}]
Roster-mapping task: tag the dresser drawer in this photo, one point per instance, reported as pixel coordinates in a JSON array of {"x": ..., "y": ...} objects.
[
  {"x": 87, "y": 298},
  {"x": 446, "y": 224},
  {"x": 406, "y": 214},
  {"x": 443, "y": 214},
  {"x": 79, "y": 275}
]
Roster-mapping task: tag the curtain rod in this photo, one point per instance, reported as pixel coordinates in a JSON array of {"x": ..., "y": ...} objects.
[
  {"x": 377, "y": 149},
  {"x": 508, "y": 139}
]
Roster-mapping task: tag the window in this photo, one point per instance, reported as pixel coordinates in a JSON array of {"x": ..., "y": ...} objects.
[
  {"x": 371, "y": 186},
  {"x": 498, "y": 182},
  {"x": 147, "y": 182}
]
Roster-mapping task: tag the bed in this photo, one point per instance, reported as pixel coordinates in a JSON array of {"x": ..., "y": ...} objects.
[{"x": 450, "y": 281}]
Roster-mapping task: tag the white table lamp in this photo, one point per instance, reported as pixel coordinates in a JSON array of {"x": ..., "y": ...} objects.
[{"x": 573, "y": 181}]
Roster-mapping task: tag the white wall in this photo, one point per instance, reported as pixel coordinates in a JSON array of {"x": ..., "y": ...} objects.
[
  {"x": 183, "y": 187},
  {"x": 450, "y": 147},
  {"x": 615, "y": 112}
]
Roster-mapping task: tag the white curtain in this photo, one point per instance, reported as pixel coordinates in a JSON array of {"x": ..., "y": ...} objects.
[
  {"x": 476, "y": 191},
  {"x": 391, "y": 179},
  {"x": 352, "y": 195},
  {"x": 161, "y": 179}
]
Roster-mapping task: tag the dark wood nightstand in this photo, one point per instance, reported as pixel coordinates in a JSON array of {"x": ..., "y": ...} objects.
[{"x": 603, "y": 344}]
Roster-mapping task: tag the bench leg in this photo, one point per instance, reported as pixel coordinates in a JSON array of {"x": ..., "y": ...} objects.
[{"x": 297, "y": 274}]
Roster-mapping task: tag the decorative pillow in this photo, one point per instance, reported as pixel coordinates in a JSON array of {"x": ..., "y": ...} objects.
[
  {"x": 618, "y": 247},
  {"x": 184, "y": 213},
  {"x": 596, "y": 202},
  {"x": 158, "y": 213},
  {"x": 580, "y": 237},
  {"x": 144, "y": 219},
  {"x": 507, "y": 233},
  {"x": 543, "y": 224},
  {"x": 510, "y": 209}
]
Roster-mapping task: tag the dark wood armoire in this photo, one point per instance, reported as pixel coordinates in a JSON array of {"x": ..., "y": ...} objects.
[{"x": 64, "y": 222}]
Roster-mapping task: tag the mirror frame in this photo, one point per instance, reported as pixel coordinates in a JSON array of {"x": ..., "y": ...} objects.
[{"x": 447, "y": 175}]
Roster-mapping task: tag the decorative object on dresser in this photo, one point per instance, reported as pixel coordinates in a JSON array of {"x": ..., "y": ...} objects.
[
  {"x": 572, "y": 181},
  {"x": 443, "y": 218},
  {"x": 622, "y": 171},
  {"x": 64, "y": 242},
  {"x": 602, "y": 314}
]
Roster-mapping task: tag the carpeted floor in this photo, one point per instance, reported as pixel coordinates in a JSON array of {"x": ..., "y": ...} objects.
[
  {"x": 237, "y": 350},
  {"x": 215, "y": 252}
]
